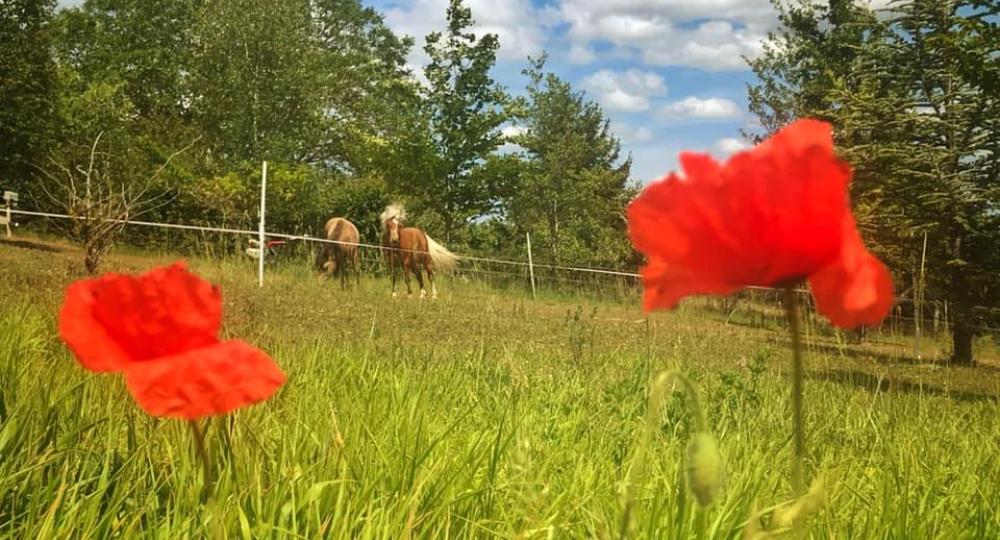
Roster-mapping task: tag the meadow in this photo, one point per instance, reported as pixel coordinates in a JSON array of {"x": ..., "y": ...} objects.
[{"x": 484, "y": 414}]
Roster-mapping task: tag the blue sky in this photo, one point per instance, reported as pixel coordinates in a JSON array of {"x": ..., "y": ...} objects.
[{"x": 668, "y": 73}]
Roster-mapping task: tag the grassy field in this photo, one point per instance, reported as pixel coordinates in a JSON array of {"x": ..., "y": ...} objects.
[{"x": 482, "y": 414}]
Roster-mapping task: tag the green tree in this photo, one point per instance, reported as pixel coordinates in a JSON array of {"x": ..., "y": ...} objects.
[
  {"x": 575, "y": 183},
  {"x": 465, "y": 109},
  {"x": 915, "y": 106},
  {"x": 255, "y": 81},
  {"x": 28, "y": 88},
  {"x": 144, "y": 45},
  {"x": 367, "y": 93}
]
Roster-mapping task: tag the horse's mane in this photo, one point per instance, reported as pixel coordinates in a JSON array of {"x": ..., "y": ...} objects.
[{"x": 392, "y": 211}]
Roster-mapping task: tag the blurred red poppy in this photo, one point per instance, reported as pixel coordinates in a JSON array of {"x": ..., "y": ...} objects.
[
  {"x": 768, "y": 216},
  {"x": 161, "y": 330}
]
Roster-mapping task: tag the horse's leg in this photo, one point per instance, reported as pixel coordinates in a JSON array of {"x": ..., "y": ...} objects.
[
  {"x": 420, "y": 279},
  {"x": 392, "y": 272},
  {"x": 407, "y": 261},
  {"x": 331, "y": 265},
  {"x": 430, "y": 277}
]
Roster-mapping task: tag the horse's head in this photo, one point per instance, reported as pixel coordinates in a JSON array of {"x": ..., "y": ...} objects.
[
  {"x": 392, "y": 227},
  {"x": 324, "y": 261},
  {"x": 392, "y": 219}
]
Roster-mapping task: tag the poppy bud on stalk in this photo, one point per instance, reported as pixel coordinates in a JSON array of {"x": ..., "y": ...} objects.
[{"x": 704, "y": 468}]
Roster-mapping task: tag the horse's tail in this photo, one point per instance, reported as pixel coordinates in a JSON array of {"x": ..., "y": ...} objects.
[{"x": 443, "y": 259}]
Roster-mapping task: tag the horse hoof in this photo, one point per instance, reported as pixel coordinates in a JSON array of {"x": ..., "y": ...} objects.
[
  {"x": 423, "y": 294},
  {"x": 394, "y": 295}
]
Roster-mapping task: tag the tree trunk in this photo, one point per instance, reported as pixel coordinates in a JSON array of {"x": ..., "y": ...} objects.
[
  {"x": 962, "y": 330},
  {"x": 962, "y": 334},
  {"x": 91, "y": 259}
]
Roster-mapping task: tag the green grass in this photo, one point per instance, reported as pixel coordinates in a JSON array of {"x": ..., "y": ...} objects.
[{"x": 483, "y": 414}]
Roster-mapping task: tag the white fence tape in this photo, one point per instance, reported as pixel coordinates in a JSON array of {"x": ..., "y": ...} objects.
[{"x": 251, "y": 233}]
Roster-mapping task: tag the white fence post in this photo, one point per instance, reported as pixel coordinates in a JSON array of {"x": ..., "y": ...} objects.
[
  {"x": 262, "y": 246},
  {"x": 918, "y": 306},
  {"x": 9, "y": 202},
  {"x": 531, "y": 266}
]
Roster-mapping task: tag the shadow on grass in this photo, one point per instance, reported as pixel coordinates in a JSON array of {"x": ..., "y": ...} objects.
[
  {"x": 856, "y": 352},
  {"x": 874, "y": 383},
  {"x": 27, "y": 244}
]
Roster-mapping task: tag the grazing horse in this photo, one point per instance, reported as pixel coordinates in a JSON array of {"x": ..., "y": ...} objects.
[
  {"x": 334, "y": 257},
  {"x": 411, "y": 248}
]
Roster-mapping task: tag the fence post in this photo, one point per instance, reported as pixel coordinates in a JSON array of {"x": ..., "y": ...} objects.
[
  {"x": 9, "y": 202},
  {"x": 531, "y": 266},
  {"x": 262, "y": 246},
  {"x": 918, "y": 306}
]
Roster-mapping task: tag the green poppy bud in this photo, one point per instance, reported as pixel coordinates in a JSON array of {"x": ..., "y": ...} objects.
[{"x": 704, "y": 468}]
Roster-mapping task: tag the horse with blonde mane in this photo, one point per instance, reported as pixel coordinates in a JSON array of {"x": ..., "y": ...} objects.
[
  {"x": 411, "y": 248},
  {"x": 334, "y": 257}
]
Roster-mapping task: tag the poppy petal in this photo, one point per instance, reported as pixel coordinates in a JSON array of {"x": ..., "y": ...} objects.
[
  {"x": 664, "y": 286},
  {"x": 84, "y": 335},
  {"x": 856, "y": 290},
  {"x": 208, "y": 381},
  {"x": 160, "y": 313},
  {"x": 765, "y": 216}
]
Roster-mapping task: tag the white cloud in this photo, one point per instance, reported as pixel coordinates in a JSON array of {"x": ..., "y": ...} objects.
[
  {"x": 730, "y": 145},
  {"x": 632, "y": 134},
  {"x": 418, "y": 75},
  {"x": 519, "y": 26},
  {"x": 708, "y": 34},
  {"x": 580, "y": 54},
  {"x": 714, "y": 45},
  {"x": 626, "y": 91},
  {"x": 693, "y": 107},
  {"x": 511, "y": 130}
]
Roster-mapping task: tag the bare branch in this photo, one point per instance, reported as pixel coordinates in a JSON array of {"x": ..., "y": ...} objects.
[{"x": 171, "y": 157}]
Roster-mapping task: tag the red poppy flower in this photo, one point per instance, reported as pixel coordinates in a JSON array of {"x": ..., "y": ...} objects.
[
  {"x": 776, "y": 213},
  {"x": 161, "y": 330}
]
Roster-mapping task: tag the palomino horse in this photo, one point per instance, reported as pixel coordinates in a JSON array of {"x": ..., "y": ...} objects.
[
  {"x": 411, "y": 248},
  {"x": 334, "y": 257}
]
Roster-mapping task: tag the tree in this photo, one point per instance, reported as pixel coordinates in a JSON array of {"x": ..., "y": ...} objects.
[
  {"x": 915, "y": 104},
  {"x": 367, "y": 91},
  {"x": 98, "y": 201},
  {"x": 255, "y": 81},
  {"x": 144, "y": 45},
  {"x": 575, "y": 182},
  {"x": 465, "y": 109},
  {"x": 28, "y": 86}
]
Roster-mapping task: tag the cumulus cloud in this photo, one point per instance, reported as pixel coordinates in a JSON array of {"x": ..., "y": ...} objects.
[
  {"x": 713, "y": 45},
  {"x": 511, "y": 130},
  {"x": 581, "y": 54},
  {"x": 694, "y": 107},
  {"x": 632, "y": 134},
  {"x": 707, "y": 34},
  {"x": 730, "y": 145},
  {"x": 625, "y": 91}
]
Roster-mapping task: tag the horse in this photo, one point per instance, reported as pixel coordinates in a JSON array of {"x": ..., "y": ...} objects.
[
  {"x": 334, "y": 257},
  {"x": 411, "y": 248}
]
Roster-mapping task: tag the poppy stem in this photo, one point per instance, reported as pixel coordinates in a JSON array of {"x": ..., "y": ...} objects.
[
  {"x": 199, "y": 445},
  {"x": 798, "y": 430}
]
